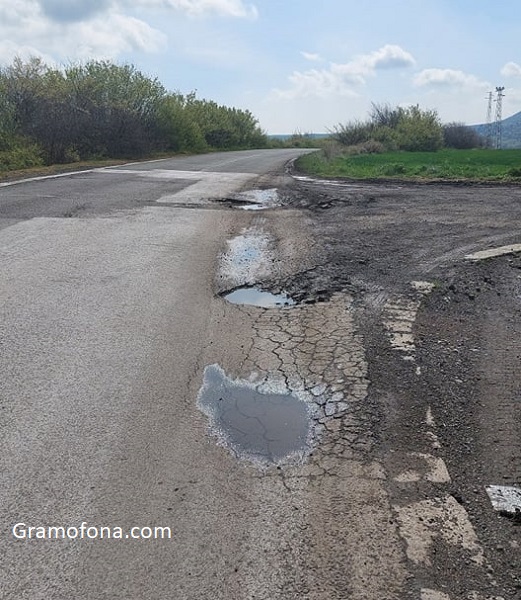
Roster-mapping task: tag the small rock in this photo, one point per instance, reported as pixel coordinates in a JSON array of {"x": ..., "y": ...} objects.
[
  {"x": 319, "y": 389},
  {"x": 330, "y": 409}
]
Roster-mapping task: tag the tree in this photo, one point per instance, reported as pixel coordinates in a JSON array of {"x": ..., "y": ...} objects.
[
  {"x": 99, "y": 108},
  {"x": 461, "y": 137},
  {"x": 178, "y": 130}
]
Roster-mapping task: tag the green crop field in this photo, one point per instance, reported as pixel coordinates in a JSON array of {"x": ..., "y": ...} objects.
[{"x": 444, "y": 165}]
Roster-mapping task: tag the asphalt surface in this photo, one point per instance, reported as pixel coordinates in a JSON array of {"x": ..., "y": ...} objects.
[{"x": 404, "y": 353}]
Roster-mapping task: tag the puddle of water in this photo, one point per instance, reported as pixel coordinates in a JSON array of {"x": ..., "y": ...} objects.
[
  {"x": 268, "y": 427},
  {"x": 247, "y": 258},
  {"x": 257, "y": 199},
  {"x": 253, "y": 296}
]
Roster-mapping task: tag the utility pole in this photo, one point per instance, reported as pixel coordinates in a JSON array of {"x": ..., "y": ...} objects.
[
  {"x": 499, "y": 116},
  {"x": 489, "y": 120}
]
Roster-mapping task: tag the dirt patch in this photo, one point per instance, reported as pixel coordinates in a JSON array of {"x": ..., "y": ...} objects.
[{"x": 454, "y": 395}]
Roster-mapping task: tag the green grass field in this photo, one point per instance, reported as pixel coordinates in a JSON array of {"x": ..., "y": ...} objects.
[{"x": 444, "y": 165}]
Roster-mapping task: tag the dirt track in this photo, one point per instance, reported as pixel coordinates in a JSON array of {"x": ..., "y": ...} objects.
[{"x": 450, "y": 386}]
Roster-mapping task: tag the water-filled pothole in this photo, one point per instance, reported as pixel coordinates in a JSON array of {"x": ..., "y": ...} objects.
[
  {"x": 266, "y": 426},
  {"x": 256, "y": 199},
  {"x": 247, "y": 259},
  {"x": 254, "y": 296}
]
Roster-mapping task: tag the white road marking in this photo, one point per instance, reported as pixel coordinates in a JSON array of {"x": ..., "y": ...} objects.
[
  {"x": 505, "y": 498},
  {"x": 493, "y": 252},
  {"x": 401, "y": 317},
  {"x": 423, "y": 522},
  {"x": 433, "y": 469},
  {"x": 206, "y": 184},
  {"x": 427, "y": 594},
  {"x": 42, "y": 177}
]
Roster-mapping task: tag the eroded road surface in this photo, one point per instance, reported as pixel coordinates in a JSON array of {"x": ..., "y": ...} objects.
[{"x": 314, "y": 386}]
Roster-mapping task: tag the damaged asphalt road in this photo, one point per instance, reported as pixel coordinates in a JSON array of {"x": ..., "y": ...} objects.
[
  {"x": 441, "y": 338},
  {"x": 331, "y": 431}
]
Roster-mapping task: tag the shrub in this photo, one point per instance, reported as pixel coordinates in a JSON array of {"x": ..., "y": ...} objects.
[
  {"x": 394, "y": 169},
  {"x": 332, "y": 149},
  {"x": 461, "y": 137},
  {"x": 22, "y": 155},
  {"x": 412, "y": 129},
  {"x": 371, "y": 147},
  {"x": 419, "y": 130},
  {"x": 352, "y": 133},
  {"x": 514, "y": 172}
]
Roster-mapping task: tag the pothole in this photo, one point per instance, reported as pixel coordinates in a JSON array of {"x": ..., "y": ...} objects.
[
  {"x": 261, "y": 422},
  {"x": 255, "y": 296},
  {"x": 256, "y": 199},
  {"x": 247, "y": 259}
]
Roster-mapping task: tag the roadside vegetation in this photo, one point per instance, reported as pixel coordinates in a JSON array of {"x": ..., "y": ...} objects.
[
  {"x": 410, "y": 143},
  {"x": 100, "y": 110},
  {"x": 446, "y": 164}
]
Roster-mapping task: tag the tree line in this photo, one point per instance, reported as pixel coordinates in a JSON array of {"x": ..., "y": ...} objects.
[
  {"x": 104, "y": 110},
  {"x": 411, "y": 129}
]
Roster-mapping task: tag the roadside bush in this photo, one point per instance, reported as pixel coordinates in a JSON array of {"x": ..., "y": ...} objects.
[
  {"x": 300, "y": 140},
  {"x": 180, "y": 133},
  {"x": 21, "y": 155},
  {"x": 100, "y": 109},
  {"x": 419, "y": 130},
  {"x": 385, "y": 116},
  {"x": 461, "y": 137},
  {"x": 332, "y": 149},
  {"x": 371, "y": 147},
  {"x": 412, "y": 129},
  {"x": 514, "y": 172},
  {"x": 350, "y": 134},
  {"x": 394, "y": 169}
]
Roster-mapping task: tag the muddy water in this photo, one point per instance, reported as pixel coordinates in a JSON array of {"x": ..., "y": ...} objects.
[
  {"x": 247, "y": 259},
  {"x": 257, "y": 199},
  {"x": 254, "y": 296},
  {"x": 255, "y": 423}
]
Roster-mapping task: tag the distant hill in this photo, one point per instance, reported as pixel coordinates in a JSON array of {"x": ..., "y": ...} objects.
[{"x": 511, "y": 131}]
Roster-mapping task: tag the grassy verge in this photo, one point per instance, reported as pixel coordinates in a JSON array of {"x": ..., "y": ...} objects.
[
  {"x": 444, "y": 165},
  {"x": 57, "y": 169},
  {"x": 77, "y": 166}
]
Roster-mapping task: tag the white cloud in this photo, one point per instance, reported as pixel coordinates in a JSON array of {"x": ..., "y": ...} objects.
[
  {"x": 311, "y": 56},
  {"x": 10, "y": 49},
  {"x": 62, "y": 30},
  {"x": 340, "y": 79},
  {"x": 388, "y": 57},
  {"x": 229, "y": 8},
  {"x": 110, "y": 37},
  {"x": 448, "y": 78},
  {"x": 73, "y": 10},
  {"x": 511, "y": 69},
  {"x": 321, "y": 83},
  {"x": 105, "y": 36}
]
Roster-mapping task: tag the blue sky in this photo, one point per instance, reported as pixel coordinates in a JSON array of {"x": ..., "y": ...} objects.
[{"x": 298, "y": 65}]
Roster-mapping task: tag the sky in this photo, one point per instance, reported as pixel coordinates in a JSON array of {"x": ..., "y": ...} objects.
[{"x": 298, "y": 65}]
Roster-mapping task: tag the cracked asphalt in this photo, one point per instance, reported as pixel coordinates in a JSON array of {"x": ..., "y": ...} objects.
[{"x": 404, "y": 353}]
